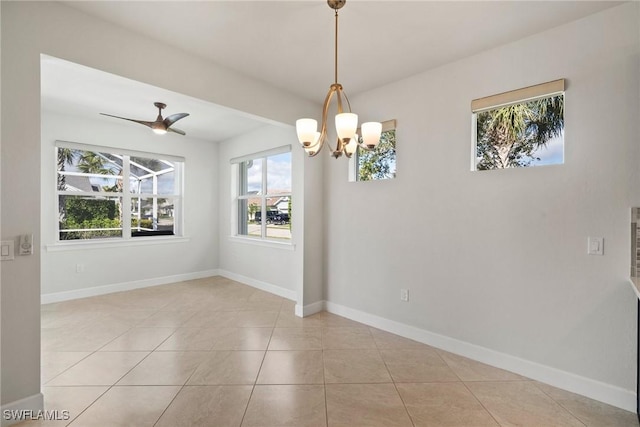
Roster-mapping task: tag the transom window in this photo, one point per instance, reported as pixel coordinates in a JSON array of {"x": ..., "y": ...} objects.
[
  {"x": 520, "y": 128},
  {"x": 107, "y": 193},
  {"x": 263, "y": 200}
]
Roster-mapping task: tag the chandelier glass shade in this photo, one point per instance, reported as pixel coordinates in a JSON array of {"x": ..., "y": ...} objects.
[{"x": 346, "y": 122}]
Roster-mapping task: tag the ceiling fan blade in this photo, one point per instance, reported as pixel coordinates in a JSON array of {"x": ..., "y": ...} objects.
[
  {"x": 174, "y": 130},
  {"x": 142, "y": 122},
  {"x": 174, "y": 118}
]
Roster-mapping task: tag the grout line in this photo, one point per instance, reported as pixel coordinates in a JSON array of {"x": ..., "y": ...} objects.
[
  {"x": 558, "y": 403},
  {"x": 133, "y": 367},
  {"x": 204, "y": 359},
  {"x": 324, "y": 387},
  {"x": 324, "y": 377},
  {"x": 404, "y": 404},
  {"x": 65, "y": 370},
  {"x": 481, "y": 404},
  {"x": 171, "y": 402},
  {"x": 393, "y": 381},
  {"x": 257, "y": 376},
  {"x": 448, "y": 366},
  {"x": 90, "y": 404}
]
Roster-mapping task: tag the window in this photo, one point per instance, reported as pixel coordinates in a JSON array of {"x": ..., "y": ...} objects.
[
  {"x": 106, "y": 193},
  {"x": 263, "y": 199},
  {"x": 379, "y": 163},
  {"x": 520, "y": 128}
]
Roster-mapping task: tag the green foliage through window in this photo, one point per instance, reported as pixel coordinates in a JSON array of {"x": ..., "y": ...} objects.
[
  {"x": 379, "y": 163},
  {"x": 81, "y": 210},
  {"x": 520, "y": 135}
]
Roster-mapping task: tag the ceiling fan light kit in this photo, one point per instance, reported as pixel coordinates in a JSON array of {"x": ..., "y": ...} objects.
[
  {"x": 160, "y": 126},
  {"x": 346, "y": 122}
]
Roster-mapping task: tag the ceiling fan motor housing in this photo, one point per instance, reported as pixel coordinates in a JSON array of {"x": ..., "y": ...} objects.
[{"x": 160, "y": 125}]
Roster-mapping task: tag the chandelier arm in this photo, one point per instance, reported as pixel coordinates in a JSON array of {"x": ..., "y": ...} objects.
[
  {"x": 318, "y": 144},
  {"x": 364, "y": 147},
  {"x": 315, "y": 153},
  {"x": 346, "y": 99},
  {"x": 316, "y": 147},
  {"x": 340, "y": 148},
  {"x": 325, "y": 112},
  {"x": 339, "y": 95},
  {"x": 340, "y": 145}
]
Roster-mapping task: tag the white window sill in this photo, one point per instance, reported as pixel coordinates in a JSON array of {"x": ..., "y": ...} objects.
[
  {"x": 114, "y": 243},
  {"x": 263, "y": 242}
]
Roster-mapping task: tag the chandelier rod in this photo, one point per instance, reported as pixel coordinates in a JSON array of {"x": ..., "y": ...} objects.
[
  {"x": 338, "y": 87},
  {"x": 336, "y": 51}
]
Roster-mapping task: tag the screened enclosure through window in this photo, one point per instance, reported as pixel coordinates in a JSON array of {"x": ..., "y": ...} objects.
[{"x": 108, "y": 193}]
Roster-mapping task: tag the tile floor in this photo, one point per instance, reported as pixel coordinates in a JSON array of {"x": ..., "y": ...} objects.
[{"x": 213, "y": 352}]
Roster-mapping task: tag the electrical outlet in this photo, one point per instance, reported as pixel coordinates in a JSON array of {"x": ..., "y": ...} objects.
[
  {"x": 79, "y": 268},
  {"x": 404, "y": 295}
]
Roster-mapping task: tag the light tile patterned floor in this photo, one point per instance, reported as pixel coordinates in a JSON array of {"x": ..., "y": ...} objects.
[{"x": 213, "y": 352}]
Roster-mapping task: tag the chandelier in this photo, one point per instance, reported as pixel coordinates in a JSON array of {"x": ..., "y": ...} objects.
[{"x": 346, "y": 122}]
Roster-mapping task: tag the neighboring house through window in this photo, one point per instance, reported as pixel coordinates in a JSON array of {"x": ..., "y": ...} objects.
[
  {"x": 263, "y": 196},
  {"x": 106, "y": 193}
]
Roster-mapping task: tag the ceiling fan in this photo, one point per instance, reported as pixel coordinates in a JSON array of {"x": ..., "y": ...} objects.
[{"x": 160, "y": 126}]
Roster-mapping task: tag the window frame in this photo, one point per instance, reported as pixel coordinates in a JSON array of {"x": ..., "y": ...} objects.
[
  {"x": 518, "y": 96},
  {"x": 354, "y": 162},
  {"x": 238, "y": 171},
  {"x": 125, "y": 195}
]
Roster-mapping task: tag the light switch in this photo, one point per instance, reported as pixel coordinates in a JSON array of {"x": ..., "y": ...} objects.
[
  {"x": 6, "y": 250},
  {"x": 595, "y": 246}
]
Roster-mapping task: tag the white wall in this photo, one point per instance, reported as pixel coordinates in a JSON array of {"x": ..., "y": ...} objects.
[
  {"x": 499, "y": 259},
  {"x": 277, "y": 266},
  {"x": 313, "y": 235},
  {"x": 122, "y": 265},
  {"x": 30, "y": 29}
]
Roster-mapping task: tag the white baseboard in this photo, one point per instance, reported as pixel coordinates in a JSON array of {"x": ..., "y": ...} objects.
[
  {"x": 28, "y": 405},
  {"x": 607, "y": 393},
  {"x": 258, "y": 284},
  {"x": 309, "y": 309},
  {"x": 126, "y": 286}
]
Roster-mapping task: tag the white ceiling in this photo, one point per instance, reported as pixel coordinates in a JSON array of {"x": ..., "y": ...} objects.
[
  {"x": 289, "y": 44},
  {"x": 73, "y": 89}
]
